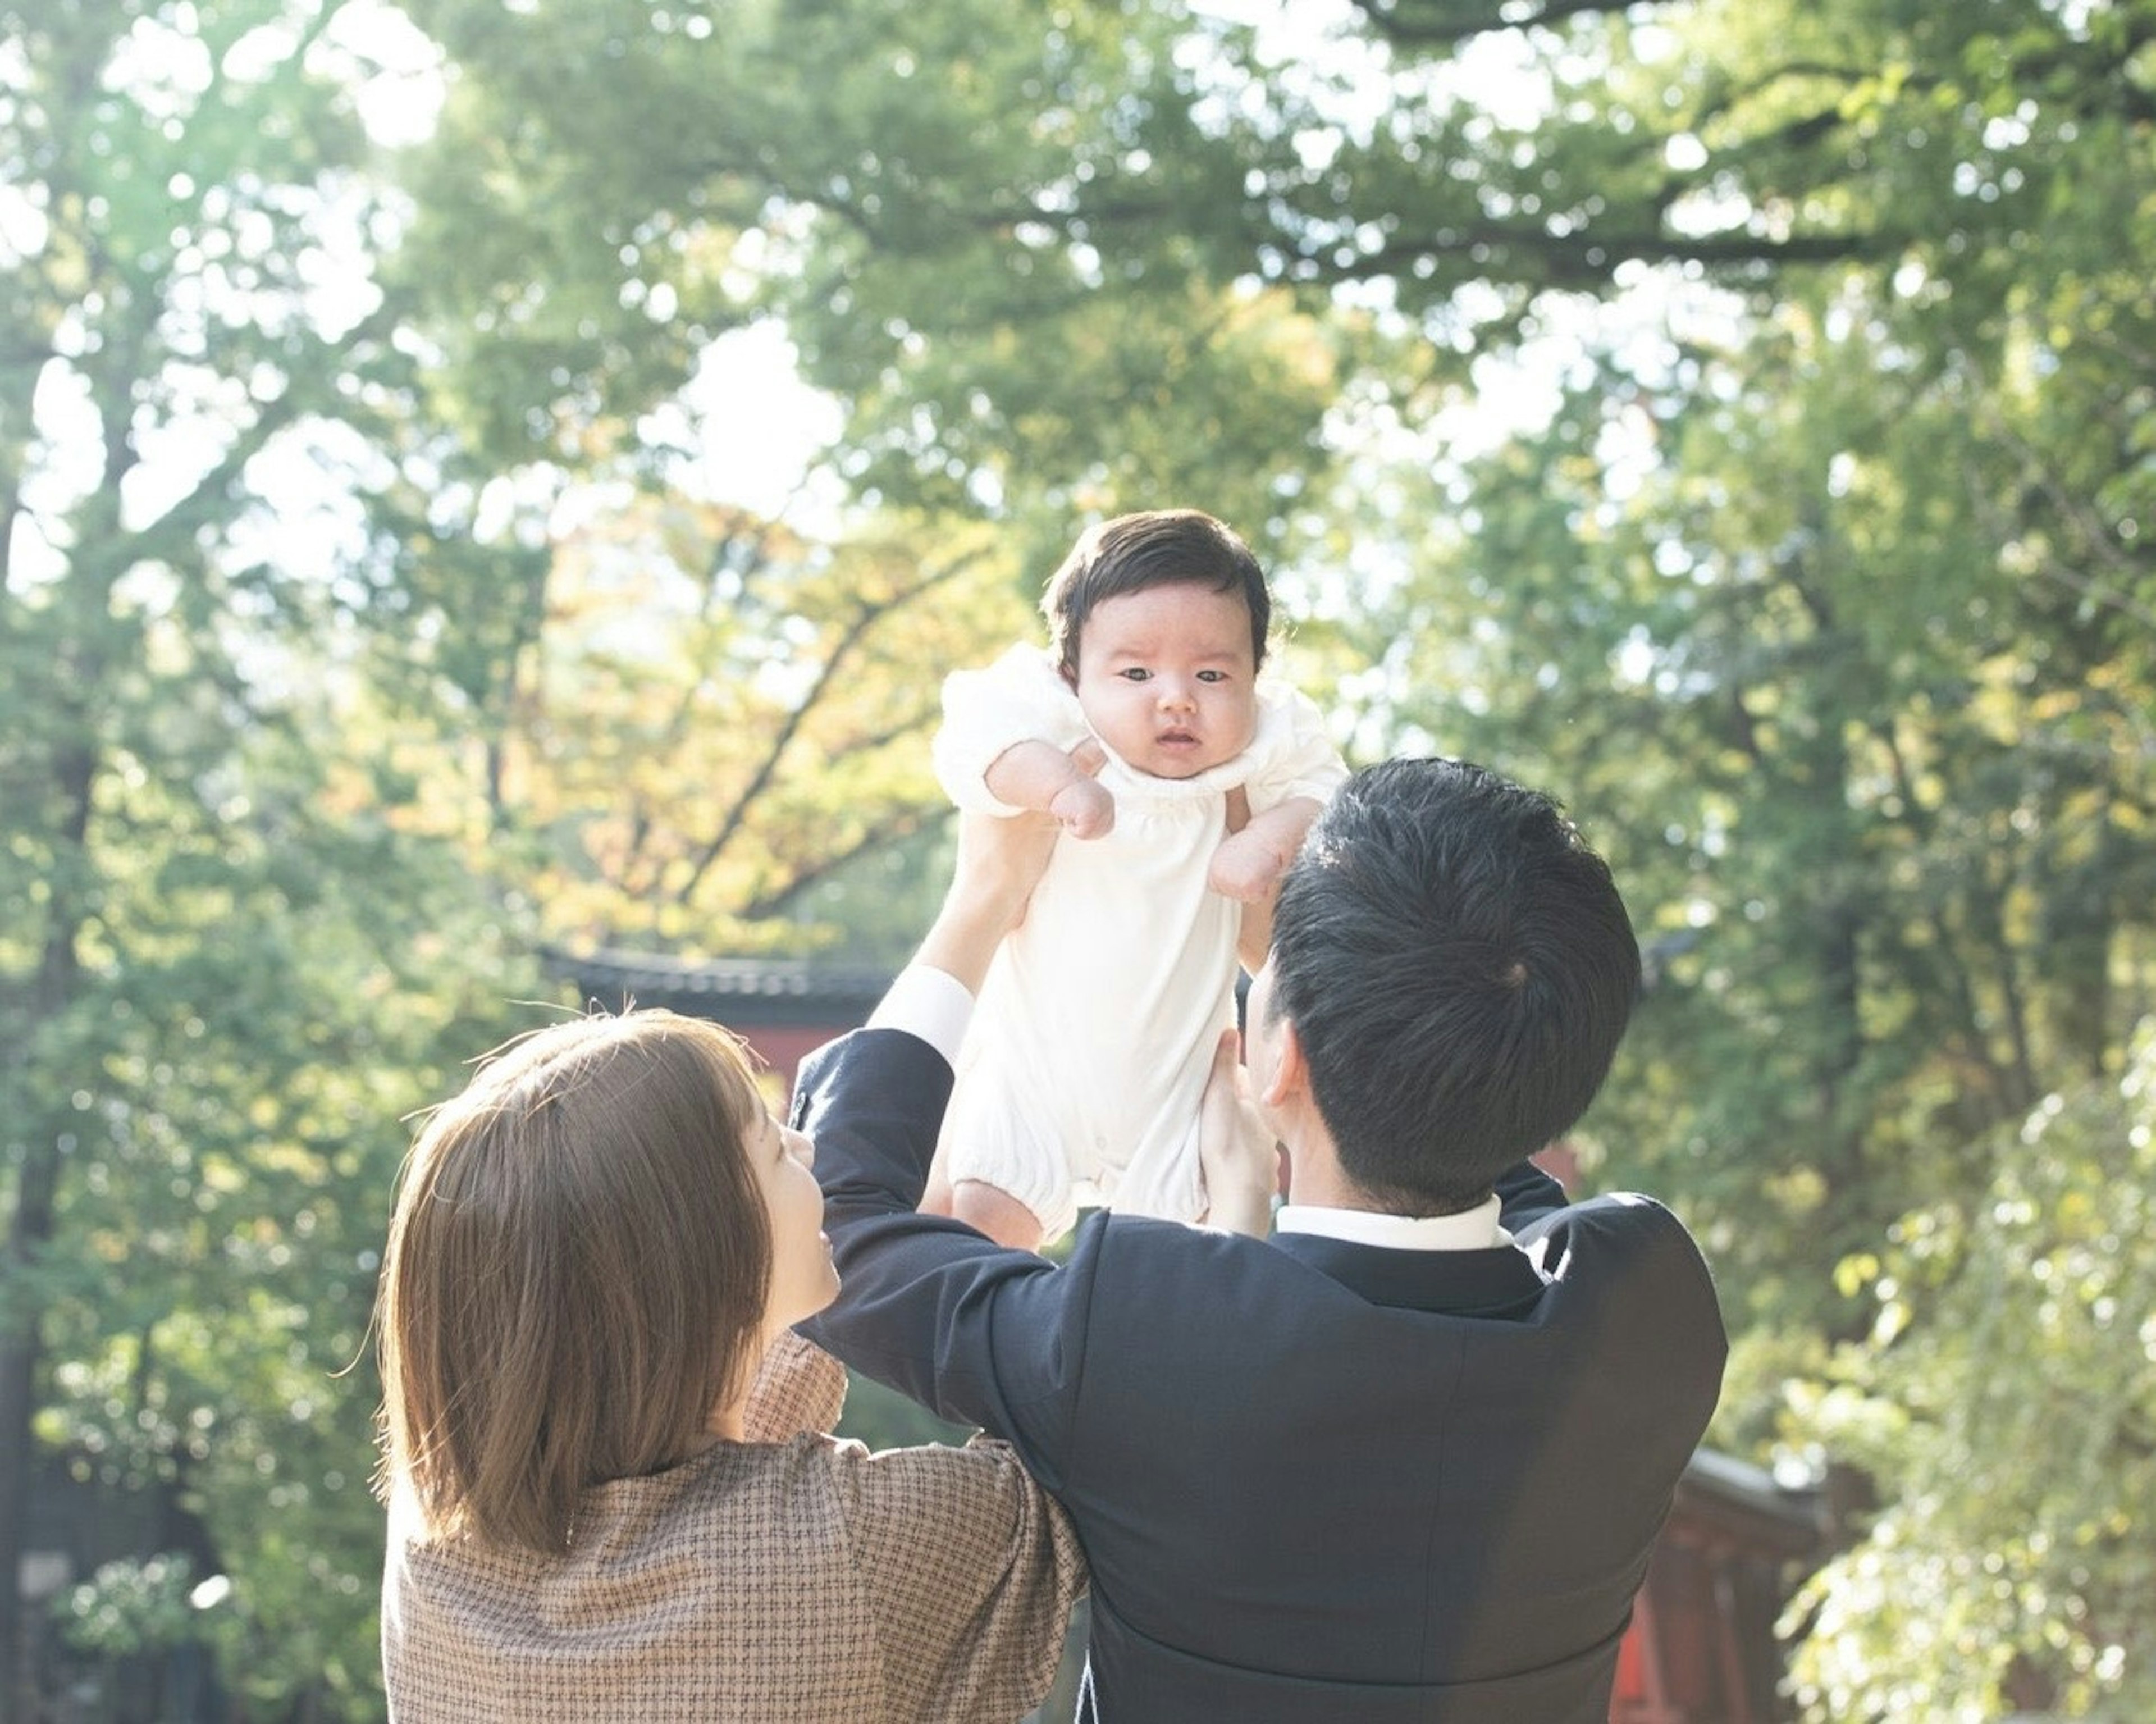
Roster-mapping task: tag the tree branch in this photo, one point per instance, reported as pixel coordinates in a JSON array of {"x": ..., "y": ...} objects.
[
  {"x": 869, "y": 613},
  {"x": 1446, "y": 24},
  {"x": 902, "y": 823},
  {"x": 722, "y": 558}
]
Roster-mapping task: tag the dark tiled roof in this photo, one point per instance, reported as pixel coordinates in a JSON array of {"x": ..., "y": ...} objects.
[
  {"x": 1750, "y": 1501},
  {"x": 738, "y": 990}
]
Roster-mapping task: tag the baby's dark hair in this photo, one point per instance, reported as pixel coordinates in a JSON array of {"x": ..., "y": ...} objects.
[{"x": 1157, "y": 548}]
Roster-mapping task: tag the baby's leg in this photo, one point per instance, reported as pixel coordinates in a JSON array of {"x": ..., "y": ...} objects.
[
  {"x": 991, "y": 1210},
  {"x": 935, "y": 1196}
]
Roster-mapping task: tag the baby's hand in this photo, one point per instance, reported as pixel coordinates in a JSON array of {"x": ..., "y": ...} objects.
[
  {"x": 1085, "y": 809},
  {"x": 1245, "y": 866}
]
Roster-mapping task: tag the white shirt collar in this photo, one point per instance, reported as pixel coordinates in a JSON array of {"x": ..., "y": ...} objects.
[{"x": 1475, "y": 1229}]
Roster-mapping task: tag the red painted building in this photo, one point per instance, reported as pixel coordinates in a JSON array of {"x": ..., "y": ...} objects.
[{"x": 1702, "y": 1648}]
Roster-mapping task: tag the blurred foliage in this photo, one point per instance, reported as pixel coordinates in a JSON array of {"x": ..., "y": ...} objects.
[
  {"x": 884, "y": 1419},
  {"x": 129, "y": 1608},
  {"x": 367, "y": 625},
  {"x": 2003, "y": 1404},
  {"x": 715, "y": 718}
]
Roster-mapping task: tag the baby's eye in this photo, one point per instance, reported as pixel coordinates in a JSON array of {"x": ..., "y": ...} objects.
[
  {"x": 1134, "y": 673},
  {"x": 1212, "y": 676}
]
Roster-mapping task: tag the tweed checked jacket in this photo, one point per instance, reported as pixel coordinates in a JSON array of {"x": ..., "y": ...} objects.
[{"x": 802, "y": 1581}]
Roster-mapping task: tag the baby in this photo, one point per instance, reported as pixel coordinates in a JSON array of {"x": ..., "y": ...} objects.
[{"x": 1096, "y": 1026}]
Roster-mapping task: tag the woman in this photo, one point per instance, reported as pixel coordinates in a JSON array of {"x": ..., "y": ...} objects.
[{"x": 608, "y": 1493}]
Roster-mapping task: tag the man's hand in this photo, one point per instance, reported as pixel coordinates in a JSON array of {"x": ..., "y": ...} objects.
[
  {"x": 1000, "y": 860},
  {"x": 1240, "y": 1155},
  {"x": 1250, "y": 862}
]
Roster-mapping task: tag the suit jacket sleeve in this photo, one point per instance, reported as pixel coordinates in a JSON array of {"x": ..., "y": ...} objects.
[
  {"x": 1526, "y": 1195},
  {"x": 978, "y": 1334}
]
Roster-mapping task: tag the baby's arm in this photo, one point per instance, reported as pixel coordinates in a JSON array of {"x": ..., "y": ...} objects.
[
  {"x": 1248, "y": 864},
  {"x": 1040, "y": 776}
]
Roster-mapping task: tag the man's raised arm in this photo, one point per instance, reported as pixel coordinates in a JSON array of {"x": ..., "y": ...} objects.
[{"x": 1000, "y": 860}]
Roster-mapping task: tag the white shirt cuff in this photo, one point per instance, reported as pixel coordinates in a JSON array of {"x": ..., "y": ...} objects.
[{"x": 925, "y": 1001}]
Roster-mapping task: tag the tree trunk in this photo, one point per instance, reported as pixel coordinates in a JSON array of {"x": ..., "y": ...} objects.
[{"x": 29, "y": 1231}]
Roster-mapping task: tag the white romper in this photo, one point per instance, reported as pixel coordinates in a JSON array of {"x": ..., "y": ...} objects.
[{"x": 1081, "y": 1073}]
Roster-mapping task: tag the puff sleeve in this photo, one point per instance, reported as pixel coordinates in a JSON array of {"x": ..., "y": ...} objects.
[
  {"x": 1020, "y": 695},
  {"x": 1292, "y": 756}
]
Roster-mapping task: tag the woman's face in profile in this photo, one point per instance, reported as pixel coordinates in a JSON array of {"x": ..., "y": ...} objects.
[{"x": 802, "y": 1278}]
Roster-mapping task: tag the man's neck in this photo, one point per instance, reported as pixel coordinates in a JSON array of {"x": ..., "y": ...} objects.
[{"x": 1317, "y": 1181}]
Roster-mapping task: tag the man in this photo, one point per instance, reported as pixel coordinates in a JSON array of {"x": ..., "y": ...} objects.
[{"x": 1406, "y": 1460}]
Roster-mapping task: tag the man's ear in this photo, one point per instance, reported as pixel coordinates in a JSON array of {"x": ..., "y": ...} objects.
[{"x": 1290, "y": 1076}]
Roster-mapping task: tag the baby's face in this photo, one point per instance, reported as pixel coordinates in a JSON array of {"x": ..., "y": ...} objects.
[{"x": 1167, "y": 678}]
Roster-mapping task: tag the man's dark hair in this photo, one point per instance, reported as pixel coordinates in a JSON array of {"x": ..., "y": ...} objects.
[
  {"x": 1159, "y": 548},
  {"x": 1459, "y": 968}
]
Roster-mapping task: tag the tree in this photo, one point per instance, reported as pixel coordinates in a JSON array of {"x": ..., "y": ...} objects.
[
  {"x": 1988, "y": 1584},
  {"x": 716, "y": 717},
  {"x": 221, "y": 975},
  {"x": 910, "y": 188}
]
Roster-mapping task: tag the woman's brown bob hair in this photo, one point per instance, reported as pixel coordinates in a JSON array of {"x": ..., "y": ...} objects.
[{"x": 575, "y": 1275}]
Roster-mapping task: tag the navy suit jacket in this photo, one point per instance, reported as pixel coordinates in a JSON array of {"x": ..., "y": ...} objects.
[{"x": 1315, "y": 1480}]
